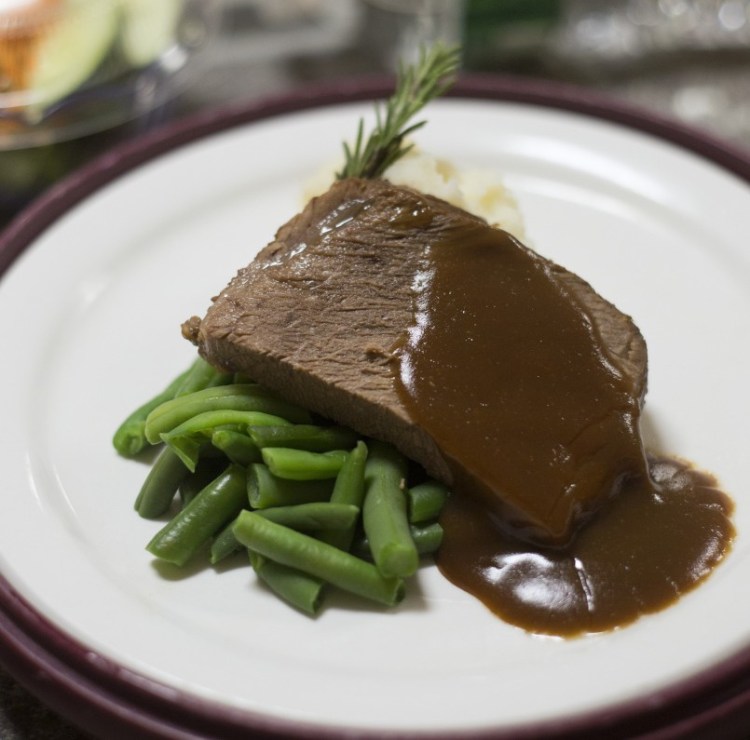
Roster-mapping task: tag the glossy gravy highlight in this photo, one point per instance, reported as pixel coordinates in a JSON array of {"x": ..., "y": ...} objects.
[
  {"x": 558, "y": 522},
  {"x": 661, "y": 536}
]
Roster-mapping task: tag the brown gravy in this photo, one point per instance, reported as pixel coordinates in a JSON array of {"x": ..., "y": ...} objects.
[
  {"x": 538, "y": 421},
  {"x": 652, "y": 543}
]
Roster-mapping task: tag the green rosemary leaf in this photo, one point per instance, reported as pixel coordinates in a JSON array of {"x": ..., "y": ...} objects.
[{"x": 429, "y": 78}]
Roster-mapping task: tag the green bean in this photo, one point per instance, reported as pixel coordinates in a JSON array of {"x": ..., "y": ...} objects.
[
  {"x": 427, "y": 539},
  {"x": 297, "y": 550},
  {"x": 201, "y": 375},
  {"x": 224, "y": 544},
  {"x": 291, "y": 464},
  {"x": 301, "y": 590},
  {"x": 384, "y": 512},
  {"x": 238, "y": 447},
  {"x": 218, "y": 503},
  {"x": 130, "y": 437},
  {"x": 161, "y": 484},
  {"x": 265, "y": 490},
  {"x": 245, "y": 397},
  {"x": 349, "y": 488},
  {"x": 312, "y": 516},
  {"x": 206, "y": 470},
  {"x": 187, "y": 438},
  {"x": 305, "y": 437},
  {"x": 425, "y": 501}
]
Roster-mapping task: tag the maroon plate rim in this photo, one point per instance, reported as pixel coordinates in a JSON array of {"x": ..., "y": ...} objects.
[{"x": 108, "y": 700}]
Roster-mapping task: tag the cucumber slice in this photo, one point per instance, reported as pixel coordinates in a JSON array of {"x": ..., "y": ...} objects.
[
  {"x": 70, "y": 50},
  {"x": 149, "y": 28}
]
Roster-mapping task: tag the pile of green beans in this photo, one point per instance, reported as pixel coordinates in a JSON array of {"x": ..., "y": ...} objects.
[{"x": 313, "y": 505}]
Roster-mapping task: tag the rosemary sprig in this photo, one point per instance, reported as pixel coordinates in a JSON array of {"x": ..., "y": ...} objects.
[{"x": 430, "y": 77}]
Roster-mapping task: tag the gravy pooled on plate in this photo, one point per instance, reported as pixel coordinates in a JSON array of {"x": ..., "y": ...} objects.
[{"x": 534, "y": 401}]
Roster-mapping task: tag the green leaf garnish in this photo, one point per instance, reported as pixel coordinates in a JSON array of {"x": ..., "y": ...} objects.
[{"x": 430, "y": 77}]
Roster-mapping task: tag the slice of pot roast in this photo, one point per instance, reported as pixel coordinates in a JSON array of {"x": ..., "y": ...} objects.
[{"x": 317, "y": 315}]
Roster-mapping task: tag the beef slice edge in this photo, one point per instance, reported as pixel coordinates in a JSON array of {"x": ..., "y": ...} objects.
[{"x": 317, "y": 314}]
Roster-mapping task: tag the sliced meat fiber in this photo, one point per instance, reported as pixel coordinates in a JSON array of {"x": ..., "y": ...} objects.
[{"x": 320, "y": 312}]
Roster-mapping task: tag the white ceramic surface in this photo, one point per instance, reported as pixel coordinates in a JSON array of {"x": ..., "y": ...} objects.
[{"x": 91, "y": 328}]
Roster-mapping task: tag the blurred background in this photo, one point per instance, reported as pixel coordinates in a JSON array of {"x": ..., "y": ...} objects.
[
  {"x": 76, "y": 76},
  {"x": 79, "y": 76}
]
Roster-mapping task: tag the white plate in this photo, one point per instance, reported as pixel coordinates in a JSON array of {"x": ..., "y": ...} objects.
[{"x": 92, "y": 314}]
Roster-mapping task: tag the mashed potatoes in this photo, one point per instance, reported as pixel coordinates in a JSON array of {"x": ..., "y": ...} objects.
[{"x": 478, "y": 191}]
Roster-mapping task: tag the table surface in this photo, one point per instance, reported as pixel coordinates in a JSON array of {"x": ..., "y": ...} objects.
[{"x": 708, "y": 90}]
